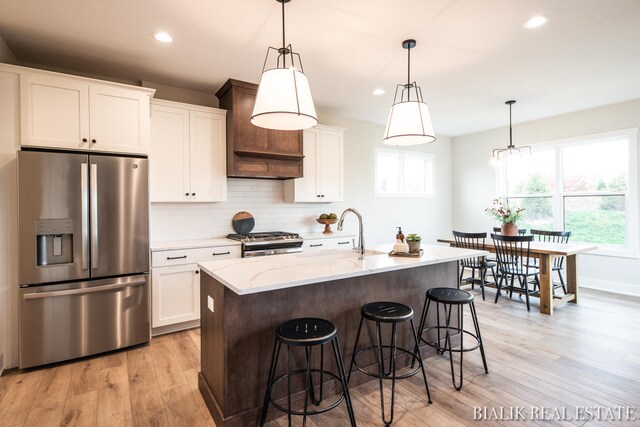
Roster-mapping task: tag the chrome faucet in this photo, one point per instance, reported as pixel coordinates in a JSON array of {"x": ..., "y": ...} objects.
[{"x": 360, "y": 247}]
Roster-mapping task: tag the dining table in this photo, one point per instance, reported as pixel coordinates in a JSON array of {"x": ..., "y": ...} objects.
[{"x": 546, "y": 252}]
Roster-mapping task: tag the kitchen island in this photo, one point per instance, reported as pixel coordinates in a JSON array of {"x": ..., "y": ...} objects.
[{"x": 244, "y": 300}]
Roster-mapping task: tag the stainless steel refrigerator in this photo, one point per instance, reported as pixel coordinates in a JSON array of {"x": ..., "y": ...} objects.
[{"x": 84, "y": 254}]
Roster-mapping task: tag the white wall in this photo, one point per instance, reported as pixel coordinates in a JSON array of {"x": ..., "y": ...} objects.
[
  {"x": 474, "y": 182},
  {"x": 264, "y": 199},
  {"x": 9, "y": 135}
]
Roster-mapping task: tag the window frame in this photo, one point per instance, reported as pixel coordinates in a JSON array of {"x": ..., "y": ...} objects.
[
  {"x": 631, "y": 248},
  {"x": 430, "y": 174}
]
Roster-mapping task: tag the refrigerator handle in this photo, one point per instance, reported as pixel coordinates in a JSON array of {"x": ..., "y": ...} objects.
[
  {"x": 83, "y": 291},
  {"x": 84, "y": 182},
  {"x": 94, "y": 216}
]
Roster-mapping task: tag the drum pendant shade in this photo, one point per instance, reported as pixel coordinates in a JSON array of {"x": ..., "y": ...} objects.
[
  {"x": 284, "y": 101},
  {"x": 409, "y": 121}
]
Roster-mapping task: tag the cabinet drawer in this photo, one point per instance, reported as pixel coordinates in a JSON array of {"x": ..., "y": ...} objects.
[
  {"x": 334, "y": 243},
  {"x": 190, "y": 256}
]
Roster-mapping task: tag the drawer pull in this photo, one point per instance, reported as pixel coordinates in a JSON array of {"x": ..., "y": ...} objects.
[
  {"x": 315, "y": 246},
  {"x": 176, "y": 257},
  {"x": 221, "y": 253},
  {"x": 343, "y": 243}
]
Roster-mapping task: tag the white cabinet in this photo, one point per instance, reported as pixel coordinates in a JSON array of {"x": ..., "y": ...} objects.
[
  {"x": 77, "y": 113},
  {"x": 175, "y": 284},
  {"x": 323, "y": 167},
  {"x": 175, "y": 294},
  {"x": 188, "y": 153}
]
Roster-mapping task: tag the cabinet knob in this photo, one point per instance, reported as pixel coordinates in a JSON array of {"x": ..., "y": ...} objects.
[
  {"x": 94, "y": 141},
  {"x": 186, "y": 194},
  {"x": 84, "y": 139},
  {"x": 322, "y": 195},
  {"x": 197, "y": 271},
  {"x": 193, "y": 194}
]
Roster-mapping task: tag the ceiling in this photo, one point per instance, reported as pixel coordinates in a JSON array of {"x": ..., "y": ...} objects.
[{"x": 471, "y": 55}]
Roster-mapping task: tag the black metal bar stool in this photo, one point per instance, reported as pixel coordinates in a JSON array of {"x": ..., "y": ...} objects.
[
  {"x": 307, "y": 333},
  {"x": 449, "y": 297},
  {"x": 394, "y": 313}
]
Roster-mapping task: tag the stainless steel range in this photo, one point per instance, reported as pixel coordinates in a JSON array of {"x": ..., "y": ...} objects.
[{"x": 268, "y": 243}]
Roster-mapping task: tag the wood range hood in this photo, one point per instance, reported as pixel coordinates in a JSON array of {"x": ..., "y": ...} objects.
[{"x": 252, "y": 151}]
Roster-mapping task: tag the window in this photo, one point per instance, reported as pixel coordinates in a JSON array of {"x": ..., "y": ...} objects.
[
  {"x": 402, "y": 173},
  {"x": 587, "y": 185}
]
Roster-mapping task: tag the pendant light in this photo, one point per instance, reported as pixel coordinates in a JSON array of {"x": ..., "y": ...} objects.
[
  {"x": 284, "y": 99},
  {"x": 511, "y": 150},
  {"x": 409, "y": 122}
]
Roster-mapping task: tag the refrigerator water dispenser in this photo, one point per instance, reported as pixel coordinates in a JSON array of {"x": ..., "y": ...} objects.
[{"x": 54, "y": 241}]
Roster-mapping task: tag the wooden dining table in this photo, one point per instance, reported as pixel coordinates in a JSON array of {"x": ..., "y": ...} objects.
[{"x": 546, "y": 252}]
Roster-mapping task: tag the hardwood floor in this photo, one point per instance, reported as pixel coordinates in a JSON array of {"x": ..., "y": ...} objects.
[{"x": 586, "y": 355}]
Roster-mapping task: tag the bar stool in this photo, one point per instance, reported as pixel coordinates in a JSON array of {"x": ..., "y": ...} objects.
[
  {"x": 394, "y": 313},
  {"x": 449, "y": 297},
  {"x": 308, "y": 333}
]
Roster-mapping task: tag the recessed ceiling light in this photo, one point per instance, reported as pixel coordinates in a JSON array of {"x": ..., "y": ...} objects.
[
  {"x": 162, "y": 37},
  {"x": 378, "y": 91},
  {"x": 536, "y": 21}
]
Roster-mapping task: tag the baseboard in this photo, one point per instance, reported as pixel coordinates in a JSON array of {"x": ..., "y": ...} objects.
[
  {"x": 175, "y": 328},
  {"x": 610, "y": 286},
  {"x": 1, "y": 363}
]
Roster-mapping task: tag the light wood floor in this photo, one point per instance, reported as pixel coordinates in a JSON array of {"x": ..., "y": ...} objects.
[{"x": 585, "y": 355}]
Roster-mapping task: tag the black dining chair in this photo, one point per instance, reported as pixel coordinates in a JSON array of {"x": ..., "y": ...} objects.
[
  {"x": 558, "y": 262},
  {"x": 474, "y": 241},
  {"x": 515, "y": 262}
]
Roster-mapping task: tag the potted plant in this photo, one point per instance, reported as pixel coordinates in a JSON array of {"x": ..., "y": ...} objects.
[
  {"x": 414, "y": 243},
  {"x": 507, "y": 216}
]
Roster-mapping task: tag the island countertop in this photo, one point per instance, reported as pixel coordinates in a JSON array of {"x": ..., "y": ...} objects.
[{"x": 251, "y": 275}]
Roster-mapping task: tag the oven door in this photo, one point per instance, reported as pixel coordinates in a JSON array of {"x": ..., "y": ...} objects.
[{"x": 62, "y": 322}]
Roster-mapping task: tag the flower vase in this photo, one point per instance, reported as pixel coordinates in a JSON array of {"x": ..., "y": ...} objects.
[
  {"x": 414, "y": 247},
  {"x": 509, "y": 229}
]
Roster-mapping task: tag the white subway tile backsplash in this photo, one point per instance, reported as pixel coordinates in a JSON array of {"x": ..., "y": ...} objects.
[{"x": 264, "y": 199}]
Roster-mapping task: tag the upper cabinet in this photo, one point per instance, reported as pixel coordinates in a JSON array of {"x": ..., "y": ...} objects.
[
  {"x": 323, "y": 167},
  {"x": 253, "y": 151},
  {"x": 188, "y": 155},
  {"x": 82, "y": 114}
]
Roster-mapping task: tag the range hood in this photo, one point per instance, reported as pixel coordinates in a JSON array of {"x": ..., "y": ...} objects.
[{"x": 252, "y": 151}]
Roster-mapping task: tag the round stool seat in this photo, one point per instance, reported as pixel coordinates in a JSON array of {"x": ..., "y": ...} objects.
[
  {"x": 388, "y": 312},
  {"x": 306, "y": 331},
  {"x": 449, "y": 296}
]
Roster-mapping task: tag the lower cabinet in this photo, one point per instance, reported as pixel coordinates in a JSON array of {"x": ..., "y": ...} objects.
[
  {"x": 175, "y": 285},
  {"x": 175, "y": 294}
]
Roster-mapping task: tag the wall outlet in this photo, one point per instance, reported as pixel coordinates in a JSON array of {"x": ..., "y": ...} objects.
[{"x": 210, "y": 303}]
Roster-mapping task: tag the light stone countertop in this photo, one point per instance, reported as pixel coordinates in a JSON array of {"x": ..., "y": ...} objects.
[
  {"x": 192, "y": 244},
  {"x": 250, "y": 275}
]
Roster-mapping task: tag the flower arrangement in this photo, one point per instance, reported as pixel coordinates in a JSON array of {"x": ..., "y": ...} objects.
[{"x": 503, "y": 213}]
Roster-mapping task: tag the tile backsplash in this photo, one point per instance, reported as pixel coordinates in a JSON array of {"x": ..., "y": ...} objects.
[{"x": 263, "y": 198}]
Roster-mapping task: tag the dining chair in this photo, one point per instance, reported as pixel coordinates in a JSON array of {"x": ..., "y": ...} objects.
[
  {"x": 514, "y": 261},
  {"x": 474, "y": 241},
  {"x": 558, "y": 263}
]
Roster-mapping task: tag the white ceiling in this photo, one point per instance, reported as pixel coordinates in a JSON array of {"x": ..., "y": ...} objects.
[{"x": 471, "y": 55}]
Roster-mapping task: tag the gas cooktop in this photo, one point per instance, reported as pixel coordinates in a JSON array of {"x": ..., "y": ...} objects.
[{"x": 276, "y": 236}]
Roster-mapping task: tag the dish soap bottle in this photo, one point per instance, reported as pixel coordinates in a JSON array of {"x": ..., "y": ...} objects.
[{"x": 400, "y": 246}]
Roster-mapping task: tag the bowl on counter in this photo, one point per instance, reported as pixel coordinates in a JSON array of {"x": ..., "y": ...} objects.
[{"x": 327, "y": 224}]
